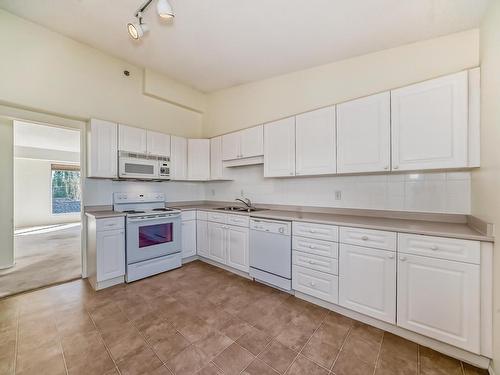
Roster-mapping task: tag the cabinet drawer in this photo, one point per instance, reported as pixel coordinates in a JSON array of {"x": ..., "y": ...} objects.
[
  {"x": 317, "y": 247},
  {"x": 201, "y": 215},
  {"x": 317, "y": 231},
  {"x": 188, "y": 215},
  {"x": 239, "y": 220},
  {"x": 315, "y": 283},
  {"x": 316, "y": 262},
  {"x": 440, "y": 247},
  {"x": 367, "y": 237},
  {"x": 110, "y": 223},
  {"x": 217, "y": 217}
]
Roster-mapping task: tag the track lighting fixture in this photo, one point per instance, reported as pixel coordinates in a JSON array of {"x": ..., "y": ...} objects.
[{"x": 137, "y": 29}]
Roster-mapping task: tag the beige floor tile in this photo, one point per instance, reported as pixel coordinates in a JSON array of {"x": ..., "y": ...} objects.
[
  {"x": 348, "y": 364},
  {"x": 364, "y": 350},
  {"x": 189, "y": 361},
  {"x": 85, "y": 353},
  {"x": 302, "y": 366},
  {"x": 170, "y": 346},
  {"x": 278, "y": 356},
  {"x": 471, "y": 370},
  {"x": 235, "y": 328},
  {"x": 321, "y": 351},
  {"x": 254, "y": 340},
  {"x": 144, "y": 361},
  {"x": 434, "y": 363},
  {"x": 258, "y": 367},
  {"x": 213, "y": 344},
  {"x": 210, "y": 369},
  {"x": 297, "y": 333},
  {"x": 233, "y": 360},
  {"x": 367, "y": 333}
]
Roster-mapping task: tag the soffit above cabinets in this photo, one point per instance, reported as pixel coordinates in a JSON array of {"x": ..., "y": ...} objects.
[{"x": 218, "y": 44}]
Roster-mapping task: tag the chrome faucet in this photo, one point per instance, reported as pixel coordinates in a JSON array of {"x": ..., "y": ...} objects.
[{"x": 247, "y": 202}]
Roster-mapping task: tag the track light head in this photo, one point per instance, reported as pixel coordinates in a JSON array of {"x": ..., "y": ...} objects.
[
  {"x": 164, "y": 9},
  {"x": 137, "y": 29}
]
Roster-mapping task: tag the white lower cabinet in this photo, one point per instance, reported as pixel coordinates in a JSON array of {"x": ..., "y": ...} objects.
[
  {"x": 237, "y": 247},
  {"x": 367, "y": 281},
  {"x": 110, "y": 254},
  {"x": 440, "y": 299},
  {"x": 202, "y": 238},
  {"x": 216, "y": 242},
  {"x": 188, "y": 238}
]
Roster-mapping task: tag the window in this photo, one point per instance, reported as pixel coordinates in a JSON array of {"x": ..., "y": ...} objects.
[{"x": 65, "y": 189}]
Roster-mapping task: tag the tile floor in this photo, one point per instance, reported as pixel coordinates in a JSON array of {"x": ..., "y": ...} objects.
[{"x": 197, "y": 320}]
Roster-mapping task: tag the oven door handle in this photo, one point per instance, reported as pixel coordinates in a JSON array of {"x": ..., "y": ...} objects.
[{"x": 131, "y": 220}]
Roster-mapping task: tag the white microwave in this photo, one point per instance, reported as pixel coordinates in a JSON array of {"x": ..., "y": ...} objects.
[{"x": 143, "y": 167}]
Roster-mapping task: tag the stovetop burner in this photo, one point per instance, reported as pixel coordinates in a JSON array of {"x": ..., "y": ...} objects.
[
  {"x": 163, "y": 209},
  {"x": 134, "y": 212}
]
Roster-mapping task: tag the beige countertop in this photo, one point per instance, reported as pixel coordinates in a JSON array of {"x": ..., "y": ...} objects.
[
  {"x": 103, "y": 214},
  {"x": 431, "y": 228}
]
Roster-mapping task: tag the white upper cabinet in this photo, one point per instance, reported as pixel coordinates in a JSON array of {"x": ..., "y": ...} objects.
[
  {"x": 178, "y": 168},
  {"x": 252, "y": 142},
  {"x": 246, "y": 143},
  {"x": 367, "y": 281},
  {"x": 315, "y": 142},
  {"x": 158, "y": 143},
  {"x": 198, "y": 151},
  {"x": 430, "y": 124},
  {"x": 364, "y": 134},
  {"x": 216, "y": 166},
  {"x": 440, "y": 299},
  {"x": 279, "y": 148},
  {"x": 132, "y": 139},
  {"x": 102, "y": 149},
  {"x": 143, "y": 141}
]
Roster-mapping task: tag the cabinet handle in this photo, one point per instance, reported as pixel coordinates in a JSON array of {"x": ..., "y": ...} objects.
[
  {"x": 395, "y": 167},
  {"x": 391, "y": 256},
  {"x": 291, "y": 173},
  {"x": 312, "y": 262},
  {"x": 364, "y": 238},
  {"x": 434, "y": 247},
  {"x": 311, "y": 246},
  {"x": 312, "y": 231},
  {"x": 402, "y": 259},
  {"x": 312, "y": 283},
  {"x": 386, "y": 167}
]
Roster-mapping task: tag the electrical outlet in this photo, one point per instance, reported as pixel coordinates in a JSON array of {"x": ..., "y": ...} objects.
[{"x": 338, "y": 195}]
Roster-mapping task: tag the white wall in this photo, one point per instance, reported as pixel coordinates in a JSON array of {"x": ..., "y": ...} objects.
[
  {"x": 428, "y": 192},
  {"x": 32, "y": 195},
  {"x": 486, "y": 180},
  {"x": 6, "y": 187},
  {"x": 278, "y": 97}
]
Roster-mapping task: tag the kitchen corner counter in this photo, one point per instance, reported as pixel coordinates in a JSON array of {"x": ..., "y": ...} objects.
[
  {"x": 430, "y": 228},
  {"x": 424, "y": 227}
]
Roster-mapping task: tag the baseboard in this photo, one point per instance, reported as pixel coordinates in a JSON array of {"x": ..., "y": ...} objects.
[
  {"x": 7, "y": 266},
  {"x": 491, "y": 371},
  {"x": 227, "y": 268}
]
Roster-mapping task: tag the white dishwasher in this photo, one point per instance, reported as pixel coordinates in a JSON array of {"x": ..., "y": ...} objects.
[{"x": 271, "y": 252}]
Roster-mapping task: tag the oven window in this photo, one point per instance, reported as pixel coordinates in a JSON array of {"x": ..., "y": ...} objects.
[
  {"x": 139, "y": 168},
  {"x": 155, "y": 234}
]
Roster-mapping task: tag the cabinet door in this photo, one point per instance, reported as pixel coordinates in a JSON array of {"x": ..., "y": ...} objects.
[
  {"x": 216, "y": 242},
  {"x": 110, "y": 248},
  {"x": 237, "y": 248},
  {"x": 231, "y": 146},
  {"x": 216, "y": 167},
  {"x": 188, "y": 238},
  {"x": 178, "y": 169},
  {"x": 440, "y": 299},
  {"x": 102, "y": 149},
  {"x": 158, "y": 143},
  {"x": 315, "y": 142},
  {"x": 202, "y": 237},
  {"x": 367, "y": 281},
  {"x": 252, "y": 142},
  {"x": 279, "y": 148},
  {"x": 132, "y": 139},
  {"x": 198, "y": 159},
  {"x": 429, "y": 124},
  {"x": 364, "y": 134}
]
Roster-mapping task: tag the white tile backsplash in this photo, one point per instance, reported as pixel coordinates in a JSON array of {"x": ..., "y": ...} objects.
[
  {"x": 425, "y": 192},
  {"x": 447, "y": 192}
]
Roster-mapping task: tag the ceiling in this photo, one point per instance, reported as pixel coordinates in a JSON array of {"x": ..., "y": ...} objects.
[
  {"x": 46, "y": 137},
  {"x": 215, "y": 44}
]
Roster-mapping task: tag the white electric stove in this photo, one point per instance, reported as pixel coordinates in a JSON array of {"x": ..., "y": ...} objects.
[{"x": 153, "y": 234}]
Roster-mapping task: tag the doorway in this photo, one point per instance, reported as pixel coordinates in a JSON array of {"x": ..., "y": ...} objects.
[{"x": 47, "y": 208}]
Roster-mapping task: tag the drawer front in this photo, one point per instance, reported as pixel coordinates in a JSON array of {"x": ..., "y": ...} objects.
[
  {"x": 239, "y": 220},
  {"x": 217, "y": 217},
  {"x": 317, "y": 247},
  {"x": 315, "y": 283},
  {"x": 188, "y": 215},
  {"x": 317, "y": 231},
  {"x": 440, "y": 247},
  {"x": 110, "y": 223},
  {"x": 201, "y": 215},
  {"x": 316, "y": 262},
  {"x": 377, "y": 239}
]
